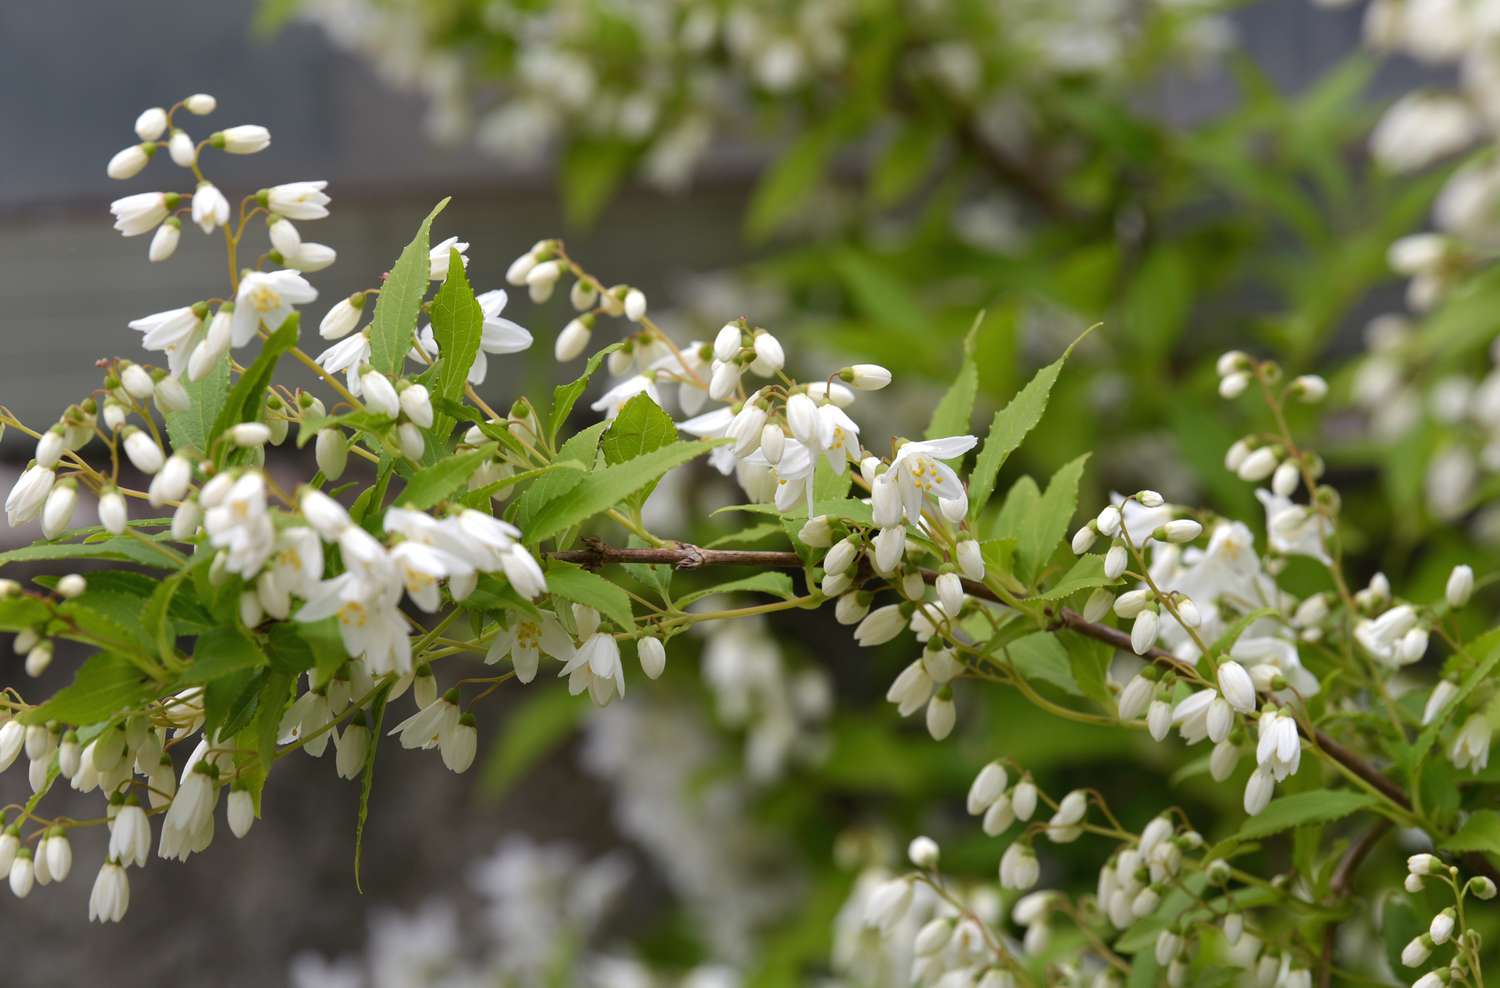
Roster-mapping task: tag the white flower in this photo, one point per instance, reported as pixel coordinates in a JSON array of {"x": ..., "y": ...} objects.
[
  {"x": 429, "y": 726},
  {"x": 170, "y": 332},
  {"x": 1471, "y": 746},
  {"x": 309, "y": 257},
  {"x": 29, "y": 494},
  {"x": 941, "y": 715},
  {"x": 525, "y": 638},
  {"x": 1420, "y": 128},
  {"x": 1235, "y": 684},
  {"x": 1019, "y": 869},
  {"x": 364, "y": 600},
  {"x": 58, "y": 509},
  {"x": 1460, "y": 586},
  {"x": 920, "y": 472},
  {"x": 1442, "y": 695},
  {"x": 439, "y": 256},
  {"x": 1258, "y": 790},
  {"x": 615, "y": 398},
  {"x": 151, "y": 124},
  {"x": 298, "y": 200},
  {"x": 652, "y": 655},
  {"x": 459, "y": 746},
  {"x": 343, "y": 317},
  {"x": 188, "y": 825},
  {"x": 170, "y": 482},
  {"x": 140, "y": 213},
  {"x": 244, "y": 139},
  {"x": 200, "y": 104},
  {"x": 635, "y": 305},
  {"x": 890, "y": 904},
  {"x": 110, "y": 897},
  {"x": 210, "y": 208},
  {"x": 240, "y": 524},
  {"x": 596, "y": 666},
  {"x": 127, "y": 163},
  {"x": 572, "y": 340},
  {"x": 267, "y": 298},
  {"x": 241, "y": 812},
  {"x": 866, "y": 377},
  {"x": 1279, "y": 749},
  {"x": 130, "y": 836},
  {"x": 1441, "y": 928},
  {"x": 380, "y": 394},
  {"x": 183, "y": 151},
  {"x": 880, "y": 626},
  {"x": 349, "y": 355}
]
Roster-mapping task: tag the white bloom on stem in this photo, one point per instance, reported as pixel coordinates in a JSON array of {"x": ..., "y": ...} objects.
[
  {"x": 29, "y": 495},
  {"x": 210, "y": 208},
  {"x": 170, "y": 332},
  {"x": 1235, "y": 684},
  {"x": 459, "y": 746},
  {"x": 181, "y": 149},
  {"x": 439, "y": 257},
  {"x": 128, "y": 162},
  {"x": 130, "y": 836},
  {"x": 240, "y": 525},
  {"x": 348, "y": 355},
  {"x": 1420, "y": 128},
  {"x": 880, "y": 626},
  {"x": 596, "y": 667},
  {"x": 1460, "y": 586},
  {"x": 243, "y": 139},
  {"x": 970, "y": 559},
  {"x": 920, "y": 472},
  {"x": 113, "y": 514},
  {"x": 427, "y": 727},
  {"x": 1471, "y": 746},
  {"x": 266, "y": 298},
  {"x": 1442, "y": 695},
  {"x": 615, "y": 398},
  {"x": 1019, "y": 869},
  {"x": 110, "y": 896},
  {"x": 635, "y": 305},
  {"x": 652, "y": 655},
  {"x": 1258, "y": 790},
  {"x": 343, "y": 317},
  {"x": 1279, "y": 748},
  {"x": 525, "y": 639},
  {"x": 298, "y": 200},
  {"x": 58, "y": 509},
  {"x": 988, "y": 786},
  {"x": 941, "y": 716},
  {"x": 164, "y": 241},
  {"x": 140, "y": 213},
  {"x": 497, "y": 335},
  {"x": 865, "y": 377},
  {"x": 151, "y": 124}
]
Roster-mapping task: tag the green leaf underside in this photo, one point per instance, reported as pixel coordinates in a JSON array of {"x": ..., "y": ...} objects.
[
  {"x": 103, "y": 686},
  {"x": 458, "y": 327},
  {"x": 1314, "y": 806},
  {"x": 433, "y": 483},
  {"x": 192, "y": 427},
  {"x": 583, "y": 587},
  {"x": 775, "y": 584}
]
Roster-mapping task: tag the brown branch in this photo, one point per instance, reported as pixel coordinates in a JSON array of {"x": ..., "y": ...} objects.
[{"x": 683, "y": 556}]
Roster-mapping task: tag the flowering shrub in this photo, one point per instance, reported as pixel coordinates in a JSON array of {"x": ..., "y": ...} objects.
[{"x": 254, "y": 617}]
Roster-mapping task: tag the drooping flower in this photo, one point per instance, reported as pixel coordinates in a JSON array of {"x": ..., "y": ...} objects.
[
  {"x": 920, "y": 473},
  {"x": 266, "y": 298}
]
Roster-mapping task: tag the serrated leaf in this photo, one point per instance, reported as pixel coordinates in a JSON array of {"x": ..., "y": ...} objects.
[
  {"x": 1314, "y": 806},
  {"x": 640, "y": 428},
  {"x": 1480, "y": 832},
  {"x": 229, "y": 702},
  {"x": 581, "y": 448},
  {"x": 20, "y": 612},
  {"x": 1048, "y": 524},
  {"x": 565, "y": 396},
  {"x": 1040, "y": 655},
  {"x": 577, "y": 584},
  {"x": 433, "y": 483},
  {"x": 103, "y": 686},
  {"x": 1008, "y": 428},
  {"x": 191, "y": 428},
  {"x": 1022, "y": 502},
  {"x": 954, "y": 413},
  {"x": 1086, "y": 574},
  {"x": 400, "y": 301},
  {"x": 775, "y": 584},
  {"x": 367, "y": 773},
  {"x": 243, "y": 402},
  {"x": 1487, "y": 646},
  {"x": 222, "y": 652},
  {"x": 458, "y": 327},
  {"x": 120, "y": 549},
  {"x": 270, "y": 704},
  {"x": 603, "y": 489}
]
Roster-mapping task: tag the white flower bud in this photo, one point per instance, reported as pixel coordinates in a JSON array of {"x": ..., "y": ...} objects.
[
  {"x": 1019, "y": 869},
  {"x": 1284, "y": 480},
  {"x": 241, "y": 812},
  {"x": 171, "y": 481},
  {"x": 1115, "y": 561},
  {"x": 1135, "y": 697},
  {"x": 409, "y": 438},
  {"x": 1310, "y": 388},
  {"x": 923, "y": 853},
  {"x": 332, "y": 451},
  {"x": 37, "y": 661},
  {"x": 416, "y": 402},
  {"x": 1460, "y": 586},
  {"x": 1083, "y": 539},
  {"x": 243, "y": 139},
  {"x": 379, "y": 394},
  {"x": 340, "y": 320},
  {"x": 950, "y": 593},
  {"x": 1130, "y": 604},
  {"x": 200, "y": 104},
  {"x": 143, "y": 452},
  {"x": 250, "y": 435},
  {"x": 1182, "y": 530},
  {"x": 970, "y": 559},
  {"x": 572, "y": 341},
  {"x": 57, "y": 510},
  {"x": 1143, "y": 631},
  {"x": 1416, "y": 952},
  {"x": 635, "y": 305},
  {"x": 1257, "y": 465},
  {"x": 653, "y": 656},
  {"x": 128, "y": 162},
  {"x": 880, "y": 626},
  {"x": 1441, "y": 929},
  {"x": 151, "y": 124},
  {"x": 113, "y": 514},
  {"x": 520, "y": 268},
  {"x": 1237, "y": 687},
  {"x": 941, "y": 716},
  {"x": 988, "y": 786},
  {"x": 769, "y": 356},
  {"x": 1258, "y": 790},
  {"x": 1159, "y": 719},
  {"x": 866, "y": 377},
  {"x": 727, "y": 342},
  {"x": 583, "y": 294},
  {"x": 1023, "y": 799},
  {"x": 171, "y": 396},
  {"x": 1231, "y": 386},
  {"x": 772, "y": 443},
  {"x": 181, "y": 149}
]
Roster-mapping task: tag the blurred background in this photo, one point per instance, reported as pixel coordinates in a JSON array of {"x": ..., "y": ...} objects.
[{"x": 1209, "y": 189}]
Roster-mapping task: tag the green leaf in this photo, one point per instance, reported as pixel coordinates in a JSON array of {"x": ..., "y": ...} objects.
[
  {"x": 1480, "y": 832},
  {"x": 577, "y": 584},
  {"x": 1313, "y": 806},
  {"x": 582, "y": 448},
  {"x": 103, "y": 686},
  {"x": 243, "y": 403},
  {"x": 603, "y": 489},
  {"x": 1086, "y": 574},
  {"x": 1022, "y": 502},
  {"x": 590, "y": 171},
  {"x": 1009, "y": 428},
  {"x": 775, "y": 584},
  {"x": 904, "y": 162},
  {"x": 641, "y": 427},
  {"x": 400, "y": 302},
  {"x": 1048, "y": 524},
  {"x": 1040, "y": 655},
  {"x": 192, "y": 427},
  {"x": 120, "y": 548},
  {"x": 433, "y": 483},
  {"x": 785, "y": 187},
  {"x": 457, "y": 326},
  {"x": 954, "y": 414},
  {"x": 20, "y": 611},
  {"x": 270, "y": 704},
  {"x": 367, "y": 774},
  {"x": 565, "y": 396},
  {"x": 543, "y": 722},
  {"x": 229, "y": 702},
  {"x": 222, "y": 652}
]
